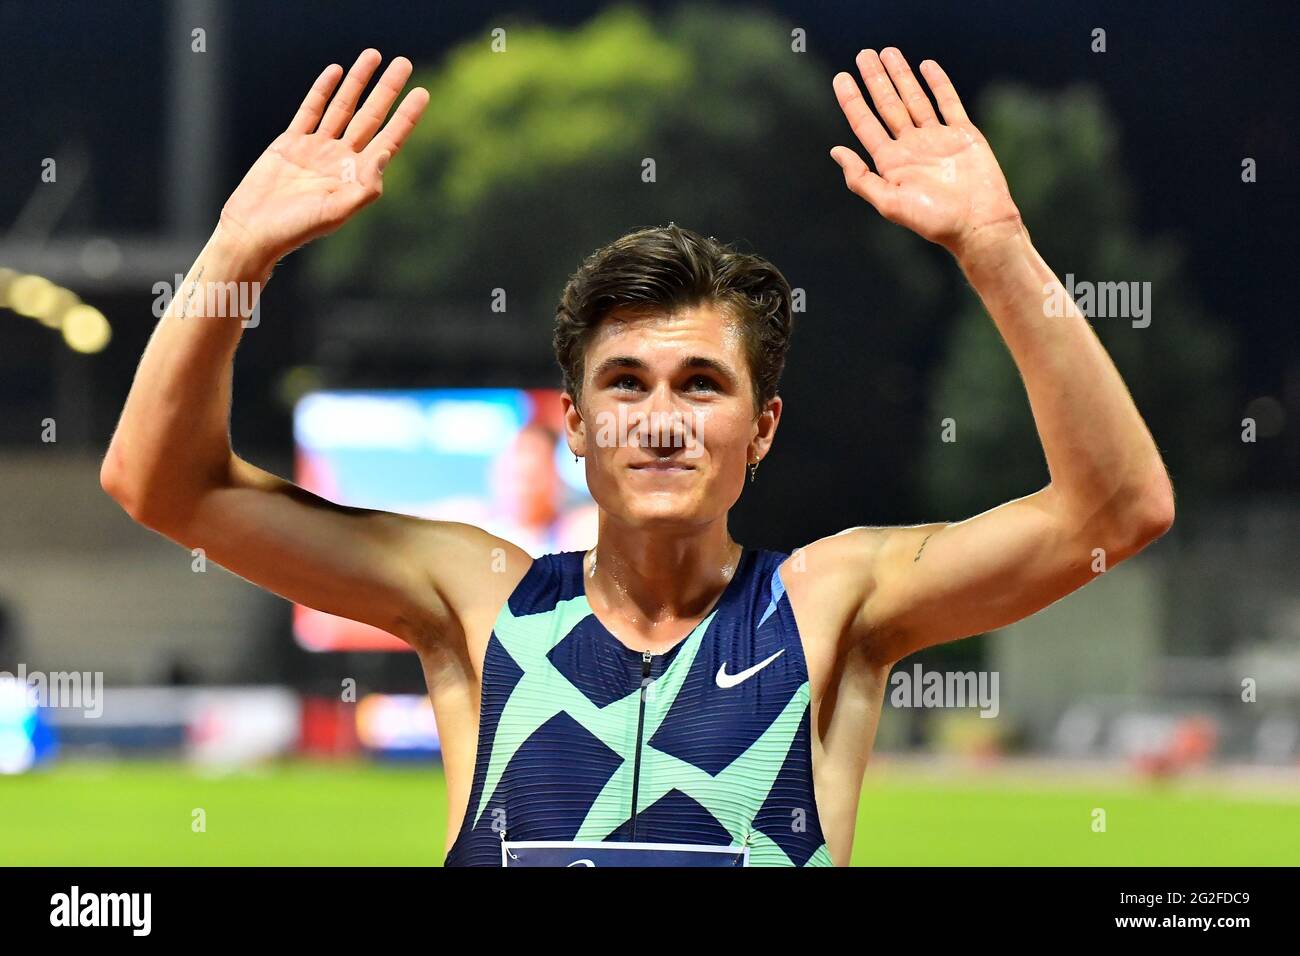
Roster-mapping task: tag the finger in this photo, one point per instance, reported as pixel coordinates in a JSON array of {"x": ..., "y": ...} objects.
[
  {"x": 862, "y": 181},
  {"x": 313, "y": 105},
  {"x": 394, "y": 133},
  {"x": 371, "y": 115},
  {"x": 882, "y": 91},
  {"x": 345, "y": 100},
  {"x": 944, "y": 93},
  {"x": 914, "y": 98},
  {"x": 862, "y": 121}
]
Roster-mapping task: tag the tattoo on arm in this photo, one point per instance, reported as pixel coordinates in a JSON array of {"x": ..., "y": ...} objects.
[
  {"x": 185, "y": 306},
  {"x": 922, "y": 547}
]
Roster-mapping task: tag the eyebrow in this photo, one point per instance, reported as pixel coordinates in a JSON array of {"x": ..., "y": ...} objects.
[{"x": 690, "y": 362}]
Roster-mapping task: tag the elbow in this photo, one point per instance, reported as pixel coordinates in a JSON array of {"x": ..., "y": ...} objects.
[
  {"x": 113, "y": 480},
  {"x": 122, "y": 487},
  {"x": 160, "y": 501},
  {"x": 1158, "y": 514},
  {"x": 1141, "y": 516}
]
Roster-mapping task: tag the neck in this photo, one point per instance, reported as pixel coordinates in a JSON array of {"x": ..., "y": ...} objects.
[{"x": 648, "y": 579}]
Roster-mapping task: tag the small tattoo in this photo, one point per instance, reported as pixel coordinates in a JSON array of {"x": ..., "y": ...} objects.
[
  {"x": 185, "y": 306},
  {"x": 922, "y": 547}
]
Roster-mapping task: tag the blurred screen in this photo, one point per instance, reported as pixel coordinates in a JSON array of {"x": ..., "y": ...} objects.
[{"x": 495, "y": 458}]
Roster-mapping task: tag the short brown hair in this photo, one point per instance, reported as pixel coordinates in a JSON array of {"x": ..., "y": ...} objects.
[{"x": 669, "y": 268}]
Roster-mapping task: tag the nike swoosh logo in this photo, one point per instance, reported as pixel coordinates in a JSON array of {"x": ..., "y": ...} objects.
[{"x": 725, "y": 680}]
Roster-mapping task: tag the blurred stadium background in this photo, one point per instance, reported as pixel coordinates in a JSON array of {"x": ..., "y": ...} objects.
[{"x": 384, "y": 371}]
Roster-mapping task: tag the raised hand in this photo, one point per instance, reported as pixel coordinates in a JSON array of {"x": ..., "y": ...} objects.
[
  {"x": 939, "y": 179},
  {"x": 329, "y": 162}
]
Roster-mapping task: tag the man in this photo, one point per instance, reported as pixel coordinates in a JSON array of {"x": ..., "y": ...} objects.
[{"x": 668, "y": 688}]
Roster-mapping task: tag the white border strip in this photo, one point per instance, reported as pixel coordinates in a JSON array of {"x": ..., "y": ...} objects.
[{"x": 615, "y": 845}]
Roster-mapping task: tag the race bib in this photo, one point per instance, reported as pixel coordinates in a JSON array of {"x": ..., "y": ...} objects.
[{"x": 571, "y": 853}]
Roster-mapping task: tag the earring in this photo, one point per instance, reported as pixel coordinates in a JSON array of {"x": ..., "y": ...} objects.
[{"x": 753, "y": 469}]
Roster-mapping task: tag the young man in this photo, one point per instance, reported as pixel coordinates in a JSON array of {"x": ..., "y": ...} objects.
[{"x": 669, "y": 687}]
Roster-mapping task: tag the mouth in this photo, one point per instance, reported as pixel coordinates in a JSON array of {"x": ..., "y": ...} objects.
[{"x": 666, "y": 466}]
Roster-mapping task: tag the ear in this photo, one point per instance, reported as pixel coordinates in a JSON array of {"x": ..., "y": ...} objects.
[
  {"x": 765, "y": 429},
  {"x": 575, "y": 428}
]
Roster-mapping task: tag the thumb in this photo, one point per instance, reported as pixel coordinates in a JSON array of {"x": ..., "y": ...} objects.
[{"x": 860, "y": 180}]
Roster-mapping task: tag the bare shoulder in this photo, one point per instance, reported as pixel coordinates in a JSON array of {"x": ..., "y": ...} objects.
[
  {"x": 833, "y": 574},
  {"x": 469, "y": 574},
  {"x": 827, "y": 581},
  {"x": 831, "y": 582}
]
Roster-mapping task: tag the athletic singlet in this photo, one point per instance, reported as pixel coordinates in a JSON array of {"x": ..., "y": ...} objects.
[{"x": 717, "y": 750}]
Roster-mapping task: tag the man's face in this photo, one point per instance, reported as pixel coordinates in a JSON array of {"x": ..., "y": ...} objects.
[{"x": 667, "y": 423}]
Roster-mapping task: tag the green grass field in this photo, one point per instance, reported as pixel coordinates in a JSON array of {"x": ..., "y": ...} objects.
[{"x": 82, "y": 814}]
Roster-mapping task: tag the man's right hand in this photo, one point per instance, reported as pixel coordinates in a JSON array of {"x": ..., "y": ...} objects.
[
  {"x": 435, "y": 584},
  {"x": 328, "y": 163}
]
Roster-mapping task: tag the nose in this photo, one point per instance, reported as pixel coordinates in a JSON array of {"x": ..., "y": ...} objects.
[{"x": 666, "y": 431}]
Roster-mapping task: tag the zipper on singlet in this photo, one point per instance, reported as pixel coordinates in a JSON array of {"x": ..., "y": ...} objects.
[{"x": 646, "y": 657}]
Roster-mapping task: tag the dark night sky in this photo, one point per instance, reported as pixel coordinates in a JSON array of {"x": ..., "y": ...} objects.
[{"x": 1196, "y": 86}]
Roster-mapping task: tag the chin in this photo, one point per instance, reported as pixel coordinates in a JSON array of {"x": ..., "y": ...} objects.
[{"x": 664, "y": 510}]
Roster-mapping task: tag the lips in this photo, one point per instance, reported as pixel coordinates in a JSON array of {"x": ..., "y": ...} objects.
[{"x": 664, "y": 465}]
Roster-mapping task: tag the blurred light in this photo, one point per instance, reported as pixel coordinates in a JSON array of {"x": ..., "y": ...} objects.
[
  {"x": 471, "y": 427},
  {"x": 234, "y": 726},
  {"x": 100, "y": 258},
  {"x": 397, "y": 723},
  {"x": 1269, "y": 415},
  {"x": 85, "y": 329},
  {"x": 32, "y": 296},
  {"x": 361, "y": 421},
  {"x": 17, "y": 723},
  {"x": 64, "y": 299},
  {"x": 296, "y": 383},
  {"x": 16, "y": 751}
]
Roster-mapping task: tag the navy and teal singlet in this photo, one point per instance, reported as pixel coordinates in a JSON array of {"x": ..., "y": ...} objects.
[{"x": 718, "y": 749}]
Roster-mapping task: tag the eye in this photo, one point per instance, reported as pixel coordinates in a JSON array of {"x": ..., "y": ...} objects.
[
  {"x": 625, "y": 381},
  {"x": 698, "y": 381}
]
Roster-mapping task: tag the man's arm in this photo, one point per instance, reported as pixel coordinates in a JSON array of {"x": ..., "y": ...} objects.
[
  {"x": 170, "y": 464},
  {"x": 1108, "y": 496}
]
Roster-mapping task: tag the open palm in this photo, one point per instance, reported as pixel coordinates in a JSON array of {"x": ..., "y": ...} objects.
[
  {"x": 939, "y": 179},
  {"x": 328, "y": 163}
]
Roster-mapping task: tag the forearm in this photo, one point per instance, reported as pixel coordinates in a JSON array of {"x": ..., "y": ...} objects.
[
  {"x": 1102, "y": 460},
  {"x": 173, "y": 439}
]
